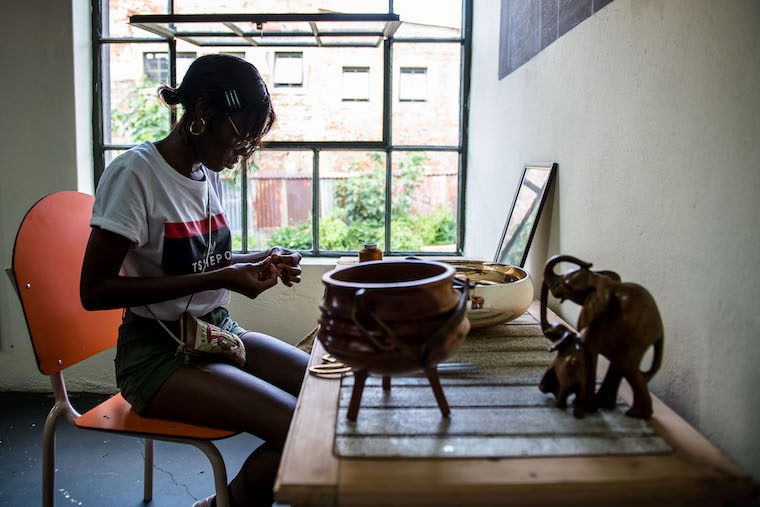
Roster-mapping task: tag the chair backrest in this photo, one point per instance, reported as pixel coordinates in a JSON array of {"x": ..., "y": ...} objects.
[{"x": 47, "y": 264}]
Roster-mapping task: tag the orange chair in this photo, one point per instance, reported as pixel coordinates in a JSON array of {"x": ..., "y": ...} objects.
[{"x": 47, "y": 263}]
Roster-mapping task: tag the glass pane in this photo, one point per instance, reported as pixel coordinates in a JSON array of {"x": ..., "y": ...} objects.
[
  {"x": 429, "y": 18},
  {"x": 316, "y": 111},
  {"x": 109, "y": 155},
  {"x": 232, "y": 201},
  {"x": 240, "y": 6},
  {"x": 352, "y": 199},
  {"x": 432, "y": 116},
  {"x": 374, "y": 27},
  {"x": 132, "y": 111},
  {"x": 116, "y": 16},
  {"x": 424, "y": 210},
  {"x": 280, "y": 200}
]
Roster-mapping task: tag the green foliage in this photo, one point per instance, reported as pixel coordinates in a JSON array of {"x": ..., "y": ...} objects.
[
  {"x": 296, "y": 236},
  {"x": 360, "y": 214},
  {"x": 237, "y": 242},
  {"x": 142, "y": 117}
]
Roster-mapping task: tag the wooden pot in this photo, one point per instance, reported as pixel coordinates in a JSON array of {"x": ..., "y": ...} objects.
[{"x": 393, "y": 317}]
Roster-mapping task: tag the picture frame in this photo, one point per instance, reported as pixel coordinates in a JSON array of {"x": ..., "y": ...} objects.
[{"x": 525, "y": 212}]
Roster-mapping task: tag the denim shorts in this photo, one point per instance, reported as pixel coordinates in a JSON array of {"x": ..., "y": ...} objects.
[{"x": 146, "y": 355}]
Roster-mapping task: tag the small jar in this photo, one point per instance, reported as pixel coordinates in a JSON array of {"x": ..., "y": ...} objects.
[{"x": 370, "y": 252}]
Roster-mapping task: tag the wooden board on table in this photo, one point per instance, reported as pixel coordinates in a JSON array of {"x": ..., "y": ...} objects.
[{"x": 497, "y": 411}]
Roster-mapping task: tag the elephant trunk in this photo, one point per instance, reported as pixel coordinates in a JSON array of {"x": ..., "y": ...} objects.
[{"x": 551, "y": 278}]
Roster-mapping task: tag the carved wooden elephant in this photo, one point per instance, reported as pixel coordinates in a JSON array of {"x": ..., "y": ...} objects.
[
  {"x": 567, "y": 375},
  {"x": 618, "y": 320}
]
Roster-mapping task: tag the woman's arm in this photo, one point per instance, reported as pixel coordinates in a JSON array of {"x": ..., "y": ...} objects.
[{"x": 102, "y": 288}]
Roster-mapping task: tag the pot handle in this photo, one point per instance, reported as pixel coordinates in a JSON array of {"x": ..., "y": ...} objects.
[
  {"x": 384, "y": 339},
  {"x": 456, "y": 317}
]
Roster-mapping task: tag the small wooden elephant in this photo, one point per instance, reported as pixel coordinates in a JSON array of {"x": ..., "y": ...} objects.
[
  {"x": 567, "y": 374},
  {"x": 618, "y": 320}
]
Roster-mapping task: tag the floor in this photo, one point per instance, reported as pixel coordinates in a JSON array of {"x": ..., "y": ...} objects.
[{"x": 100, "y": 469}]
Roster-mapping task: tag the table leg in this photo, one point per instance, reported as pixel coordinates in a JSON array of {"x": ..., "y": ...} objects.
[
  {"x": 386, "y": 383},
  {"x": 432, "y": 376},
  {"x": 360, "y": 377}
]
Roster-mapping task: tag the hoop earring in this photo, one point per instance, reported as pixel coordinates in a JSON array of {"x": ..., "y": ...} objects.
[{"x": 202, "y": 129}]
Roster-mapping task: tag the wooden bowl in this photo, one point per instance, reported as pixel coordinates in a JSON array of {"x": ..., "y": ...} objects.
[{"x": 392, "y": 317}]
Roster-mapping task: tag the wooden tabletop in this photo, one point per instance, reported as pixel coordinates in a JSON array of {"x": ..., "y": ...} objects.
[{"x": 311, "y": 473}]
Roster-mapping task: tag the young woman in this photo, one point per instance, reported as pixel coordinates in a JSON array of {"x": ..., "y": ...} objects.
[{"x": 160, "y": 246}]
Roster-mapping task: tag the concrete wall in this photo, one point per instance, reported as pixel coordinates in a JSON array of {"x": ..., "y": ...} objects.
[{"x": 651, "y": 108}]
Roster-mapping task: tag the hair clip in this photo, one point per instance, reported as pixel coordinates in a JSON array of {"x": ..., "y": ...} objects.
[{"x": 232, "y": 100}]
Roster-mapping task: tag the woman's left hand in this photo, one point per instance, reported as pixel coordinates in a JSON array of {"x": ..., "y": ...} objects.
[{"x": 288, "y": 265}]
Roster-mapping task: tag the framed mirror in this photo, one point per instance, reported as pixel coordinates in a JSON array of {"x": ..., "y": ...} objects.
[{"x": 524, "y": 214}]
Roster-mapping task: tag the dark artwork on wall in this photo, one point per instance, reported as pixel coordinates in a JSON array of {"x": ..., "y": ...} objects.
[{"x": 528, "y": 26}]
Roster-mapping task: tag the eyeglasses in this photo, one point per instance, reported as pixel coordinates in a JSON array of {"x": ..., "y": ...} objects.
[{"x": 249, "y": 146}]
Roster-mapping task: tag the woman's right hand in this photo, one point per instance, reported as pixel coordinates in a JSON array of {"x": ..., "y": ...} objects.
[{"x": 251, "y": 278}]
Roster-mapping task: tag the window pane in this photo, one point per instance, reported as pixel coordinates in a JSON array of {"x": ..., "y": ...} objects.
[
  {"x": 116, "y": 16},
  {"x": 232, "y": 199},
  {"x": 352, "y": 199},
  {"x": 237, "y": 6},
  {"x": 280, "y": 200},
  {"x": 429, "y": 18},
  {"x": 424, "y": 201},
  {"x": 112, "y": 154},
  {"x": 433, "y": 120},
  {"x": 132, "y": 111},
  {"x": 316, "y": 110}
]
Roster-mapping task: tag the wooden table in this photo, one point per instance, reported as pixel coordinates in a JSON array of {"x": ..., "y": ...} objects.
[{"x": 311, "y": 473}]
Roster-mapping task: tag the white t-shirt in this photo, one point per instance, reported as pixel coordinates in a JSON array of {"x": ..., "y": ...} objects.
[{"x": 164, "y": 214}]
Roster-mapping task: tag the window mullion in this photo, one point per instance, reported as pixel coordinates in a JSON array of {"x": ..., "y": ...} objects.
[
  {"x": 244, "y": 205},
  {"x": 315, "y": 202},
  {"x": 387, "y": 135}
]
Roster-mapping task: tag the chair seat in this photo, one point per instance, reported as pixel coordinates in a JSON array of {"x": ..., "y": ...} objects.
[{"x": 117, "y": 415}]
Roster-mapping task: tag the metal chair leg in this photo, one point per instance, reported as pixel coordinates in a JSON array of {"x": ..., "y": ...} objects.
[
  {"x": 62, "y": 408},
  {"x": 48, "y": 456},
  {"x": 220, "y": 471},
  {"x": 148, "y": 478}
]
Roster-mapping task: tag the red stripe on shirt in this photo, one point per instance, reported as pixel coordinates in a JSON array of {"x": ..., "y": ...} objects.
[{"x": 191, "y": 229}]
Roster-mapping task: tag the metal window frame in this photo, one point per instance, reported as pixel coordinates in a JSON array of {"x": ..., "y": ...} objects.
[{"x": 316, "y": 147}]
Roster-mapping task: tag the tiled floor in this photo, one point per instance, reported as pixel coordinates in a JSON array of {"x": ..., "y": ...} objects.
[{"x": 100, "y": 469}]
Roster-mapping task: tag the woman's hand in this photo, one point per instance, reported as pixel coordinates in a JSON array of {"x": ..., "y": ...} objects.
[
  {"x": 251, "y": 278},
  {"x": 287, "y": 264}
]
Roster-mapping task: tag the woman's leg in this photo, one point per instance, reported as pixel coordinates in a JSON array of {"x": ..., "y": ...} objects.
[
  {"x": 275, "y": 361},
  {"x": 217, "y": 394}
]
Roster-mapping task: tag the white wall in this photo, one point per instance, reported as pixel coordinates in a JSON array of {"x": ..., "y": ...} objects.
[
  {"x": 37, "y": 148},
  {"x": 652, "y": 110}
]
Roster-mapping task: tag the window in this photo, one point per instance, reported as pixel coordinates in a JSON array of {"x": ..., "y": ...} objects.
[
  {"x": 288, "y": 69},
  {"x": 355, "y": 84},
  {"x": 412, "y": 86},
  {"x": 370, "y": 139},
  {"x": 156, "y": 66}
]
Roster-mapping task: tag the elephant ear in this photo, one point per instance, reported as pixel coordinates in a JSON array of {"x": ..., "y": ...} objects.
[{"x": 595, "y": 303}]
